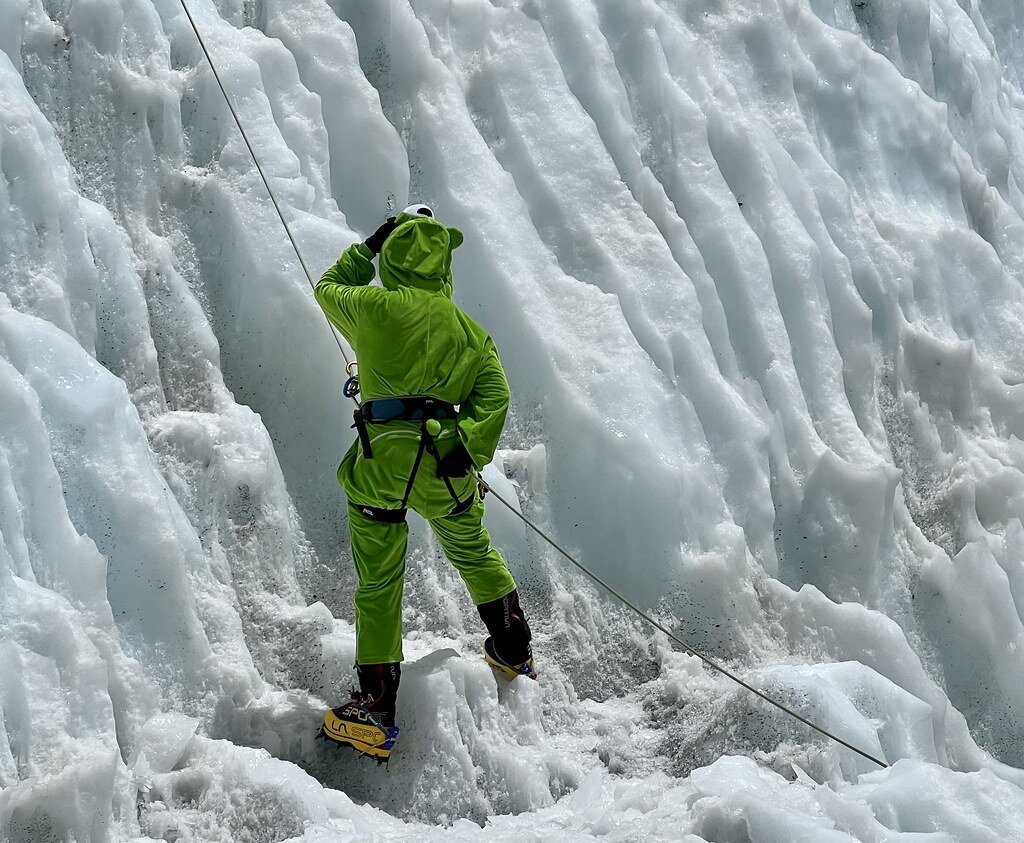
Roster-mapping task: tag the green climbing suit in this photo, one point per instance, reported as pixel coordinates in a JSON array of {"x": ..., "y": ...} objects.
[{"x": 411, "y": 339}]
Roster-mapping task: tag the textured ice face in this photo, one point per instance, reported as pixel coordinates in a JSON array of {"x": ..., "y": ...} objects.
[{"x": 755, "y": 273}]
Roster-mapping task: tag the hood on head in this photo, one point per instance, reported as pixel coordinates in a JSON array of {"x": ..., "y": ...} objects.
[{"x": 419, "y": 254}]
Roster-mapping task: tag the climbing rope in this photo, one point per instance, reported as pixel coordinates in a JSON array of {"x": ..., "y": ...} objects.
[
  {"x": 266, "y": 181},
  {"x": 485, "y": 486},
  {"x": 661, "y": 628}
]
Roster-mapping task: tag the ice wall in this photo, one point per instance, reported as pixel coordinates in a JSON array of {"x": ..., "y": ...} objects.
[{"x": 755, "y": 272}]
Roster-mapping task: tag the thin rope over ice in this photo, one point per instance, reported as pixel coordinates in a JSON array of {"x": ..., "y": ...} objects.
[
  {"x": 259, "y": 167},
  {"x": 621, "y": 598},
  {"x": 661, "y": 628}
]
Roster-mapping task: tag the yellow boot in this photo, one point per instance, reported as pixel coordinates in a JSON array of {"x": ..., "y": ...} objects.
[
  {"x": 364, "y": 730},
  {"x": 367, "y": 722}
]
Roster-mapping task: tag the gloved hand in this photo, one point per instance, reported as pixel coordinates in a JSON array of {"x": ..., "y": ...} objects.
[
  {"x": 456, "y": 464},
  {"x": 375, "y": 242}
]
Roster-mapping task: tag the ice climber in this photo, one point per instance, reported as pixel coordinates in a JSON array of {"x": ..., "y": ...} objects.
[{"x": 434, "y": 403}]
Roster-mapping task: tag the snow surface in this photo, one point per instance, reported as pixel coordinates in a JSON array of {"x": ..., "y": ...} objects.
[{"x": 755, "y": 269}]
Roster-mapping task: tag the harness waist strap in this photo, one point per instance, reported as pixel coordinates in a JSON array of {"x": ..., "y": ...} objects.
[{"x": 406, "y": 408}]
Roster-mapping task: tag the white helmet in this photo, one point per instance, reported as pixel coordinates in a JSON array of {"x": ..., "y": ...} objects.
[{"x": 419, "y": 210}]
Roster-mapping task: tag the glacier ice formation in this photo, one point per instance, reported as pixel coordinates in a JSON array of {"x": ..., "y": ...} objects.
[{"x": 755, "y": 269}]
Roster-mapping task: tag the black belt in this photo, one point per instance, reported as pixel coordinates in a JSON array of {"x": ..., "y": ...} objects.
[
  {"x": 397, "y": 516},
  {"x": 403, "y": 408},
  {"x": 375, "y": 513}
]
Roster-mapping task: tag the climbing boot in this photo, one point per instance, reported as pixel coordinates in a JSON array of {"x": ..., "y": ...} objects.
[
  {"x": 367, "y": 722},
  {"x": 511, "y": 670},
  {"x": 508, "y": 647}
]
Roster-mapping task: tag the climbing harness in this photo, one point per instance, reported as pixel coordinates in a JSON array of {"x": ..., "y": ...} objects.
[
  {"x": 483, "y": 486},
  {"x": 422, "y": 408},
  {"x": 401, "y": 408},
  {"x": 385, "y": 516}
]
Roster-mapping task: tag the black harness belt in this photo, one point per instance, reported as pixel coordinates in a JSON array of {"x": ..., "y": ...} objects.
[
  {"x": 419, "y": 408},
  {"x": 397, "y": 516},
  {"x": 404, "y": 408},
  {"x": 375, "y": 513}
]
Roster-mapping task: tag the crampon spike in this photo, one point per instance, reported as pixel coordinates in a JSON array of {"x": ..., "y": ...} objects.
[
  {"x": 379, "y": 761},
  {"x": 360, "y": 754}
]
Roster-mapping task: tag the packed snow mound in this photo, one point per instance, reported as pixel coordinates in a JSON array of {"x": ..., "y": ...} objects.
[{"x": 757, "y": 277}]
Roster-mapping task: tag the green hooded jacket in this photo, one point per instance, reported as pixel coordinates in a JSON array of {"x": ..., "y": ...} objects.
[{"x": 410, "y": 338}]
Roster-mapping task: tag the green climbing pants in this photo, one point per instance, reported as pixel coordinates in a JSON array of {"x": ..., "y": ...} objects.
[{"x": 379, "y": 552}]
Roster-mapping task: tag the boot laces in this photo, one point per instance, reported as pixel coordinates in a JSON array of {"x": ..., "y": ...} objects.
[{"x": 390, "y": 732}]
